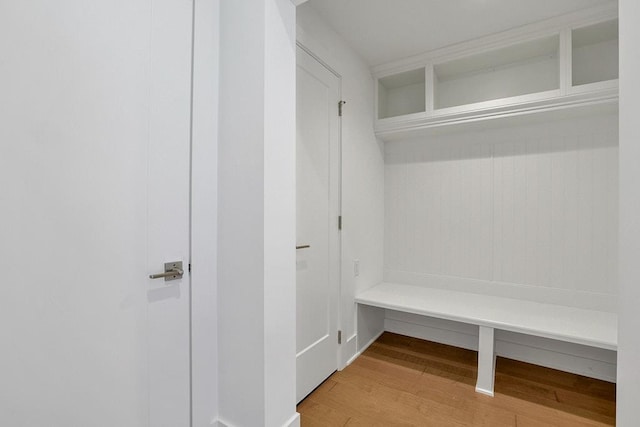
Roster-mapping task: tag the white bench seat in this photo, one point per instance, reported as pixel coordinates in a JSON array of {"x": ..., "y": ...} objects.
[{"x": 580, "y": 326}]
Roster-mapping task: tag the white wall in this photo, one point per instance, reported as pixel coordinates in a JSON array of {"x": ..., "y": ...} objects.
[
  {"x": 629, "y": 300},
  {"x": 525, "y": 212},
  {"x": 256, "y": 215},
  {"x": 204, "y": 170},
  {"x": 362, "y": 168},
  {"x": 280, "y": 214}
]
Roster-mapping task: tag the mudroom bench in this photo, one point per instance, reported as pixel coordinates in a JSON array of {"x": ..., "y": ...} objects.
[{"x": 575, "y": 325}]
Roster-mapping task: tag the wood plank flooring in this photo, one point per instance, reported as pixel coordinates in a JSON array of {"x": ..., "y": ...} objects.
[{"x": 402, "y": 381}]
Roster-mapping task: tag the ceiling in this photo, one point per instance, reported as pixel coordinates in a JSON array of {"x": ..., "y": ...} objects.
[{"x": 386, "y": 30}]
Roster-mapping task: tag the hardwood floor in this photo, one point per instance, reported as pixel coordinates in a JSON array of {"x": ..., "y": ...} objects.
[{"x": 402, "y": 381}]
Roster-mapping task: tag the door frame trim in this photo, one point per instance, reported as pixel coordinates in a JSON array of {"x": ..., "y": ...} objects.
[
  {"x": 324, "y": 64},
  {"x": 204, "y": 212},
  {"x": 339, "y": 320}
]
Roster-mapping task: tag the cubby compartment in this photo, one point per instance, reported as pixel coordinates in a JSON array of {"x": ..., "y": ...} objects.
[
  {"x": 519, "y": 69},
  {"x": 401, "y": 94},
  {"x": 595, "y": 53}
]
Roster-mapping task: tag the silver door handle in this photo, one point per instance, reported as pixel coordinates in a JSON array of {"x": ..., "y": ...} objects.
[
  {"x": 172, "y": 271},
  {"x": 303, "y": 246}
]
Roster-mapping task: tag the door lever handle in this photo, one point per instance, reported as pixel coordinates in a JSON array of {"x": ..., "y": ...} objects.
[
  {"x": 172, "y": 271},
  {"x": 303, "y": 246},
  {"x": 168, "y": 275}
]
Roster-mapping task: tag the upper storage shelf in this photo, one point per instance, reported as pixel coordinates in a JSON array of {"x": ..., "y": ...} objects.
[
  {"x": 515, "y": 70},
  {"x": 594, "y": 53},
  {"x": 567, "y": 64},
  {"x": 401, "y": 94}
]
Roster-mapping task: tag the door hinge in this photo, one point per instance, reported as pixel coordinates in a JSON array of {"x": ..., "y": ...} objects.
[
  {"x": 340, "y": 104},
  {"x": 339, "y": 337},
  {"x": 340, "y": 222},
  {"x": 189, "y": 267}
]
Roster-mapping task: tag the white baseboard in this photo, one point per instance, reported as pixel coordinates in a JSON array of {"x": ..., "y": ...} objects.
[
  {"x": 438, "y": 330},
  {"x": 347, "y": 352},
  {"x": 578, "y": 359},
  {"x": 483, "y": 391},
  {"x": 364, "y": 347},
  {"x": 294, "y": 421}
]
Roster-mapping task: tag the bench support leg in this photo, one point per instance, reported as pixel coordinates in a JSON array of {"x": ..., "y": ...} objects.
[{"x": 486, "y": 361}]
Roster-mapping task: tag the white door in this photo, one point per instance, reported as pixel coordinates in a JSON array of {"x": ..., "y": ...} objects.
[
  {"x": 94, "y": 173},
  {"x": 317, "y": 165}
]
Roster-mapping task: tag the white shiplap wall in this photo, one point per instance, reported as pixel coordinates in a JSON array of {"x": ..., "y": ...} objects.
[{"x": 524, "y": 212}]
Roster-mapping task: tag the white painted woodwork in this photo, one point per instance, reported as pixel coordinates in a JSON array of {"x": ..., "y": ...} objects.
[
  {"x": 486, "y": 361},
  {"x": 256, "y": 214},
  {"x": 595, "y": 53},
  {"x": 362, "y": 174},
  {"x": 586, "y": 100},
  {"x": 579, "y": 359},
  {"x": 525, "y": 212},
  {"x": 96, "y": 119},
  {"x": 628, "y": 385},
  {"x": 563, "y": 323},
  {"x": 565, "y": 65},
  {"x": 370, "y": 325},
  {"x": 402, "y": 94},
  {"x": 204, "y": 213},
  {"x": 502, "y": 82},
  {"x": 503, "y": 73},
  {"x": 518, "y": 72},
  {"x": 496, "y": 40},
  {"x": 575, "y": 325},
  {"x": 317, "y": 191}
]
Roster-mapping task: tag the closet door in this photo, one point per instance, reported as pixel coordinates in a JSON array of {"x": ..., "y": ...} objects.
[{"x": 318, "y": 250}]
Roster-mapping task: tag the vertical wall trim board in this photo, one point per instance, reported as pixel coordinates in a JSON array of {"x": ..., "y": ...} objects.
[
  {"x": 204, "y": 186},
  {"x": 628, "y": 388}
]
